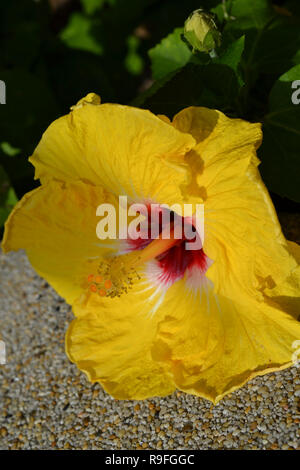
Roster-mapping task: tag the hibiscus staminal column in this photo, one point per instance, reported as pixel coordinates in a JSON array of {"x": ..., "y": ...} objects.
[{"x": 121, "y": 271}]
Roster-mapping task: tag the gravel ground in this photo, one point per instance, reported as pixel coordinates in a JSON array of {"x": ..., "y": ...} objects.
[{"x": 46, "y": 403}]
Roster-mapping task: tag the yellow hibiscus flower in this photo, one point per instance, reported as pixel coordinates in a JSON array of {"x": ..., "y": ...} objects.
[{"x": 202, "y": 321}]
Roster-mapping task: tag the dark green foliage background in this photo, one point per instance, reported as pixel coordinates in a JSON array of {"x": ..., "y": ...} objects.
[{"x": 53, "y": 52}]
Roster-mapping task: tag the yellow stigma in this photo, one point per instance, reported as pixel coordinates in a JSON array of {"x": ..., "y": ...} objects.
[{"x": 120, "y": 272}]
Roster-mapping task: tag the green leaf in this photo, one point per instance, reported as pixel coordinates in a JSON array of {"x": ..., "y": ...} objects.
[
  {"x": 8, "y": 196},
  {"x": 200, "y": 82},
  {"x": 9, "y": 150},
  {"x": 280, "y": 149},
  {"x": 147, "y": 95},
  {"x": 91, "y": 6},
  {"x": 272, "y": 40},
  {"x": 211, "y": 85},
  {"x": 249, "y": 18},
  {"x": 133, "y": 60},
  {"x": 245, "y": 14},
  {"x": 231, "y": 56},
  {"x": 169, "y": 55},
  {"x": 278, "y": 47},
  {"x": 78, "y": 34}
]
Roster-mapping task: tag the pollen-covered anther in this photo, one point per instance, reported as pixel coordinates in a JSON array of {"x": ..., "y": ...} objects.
[
  {"x": 107, "y": 284},
  {"x": 98, "y": 284},
  {"x": 118, "y": 275}
]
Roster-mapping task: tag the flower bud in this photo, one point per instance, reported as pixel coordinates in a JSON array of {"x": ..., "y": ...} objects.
[{"x": 201, "y": 32}]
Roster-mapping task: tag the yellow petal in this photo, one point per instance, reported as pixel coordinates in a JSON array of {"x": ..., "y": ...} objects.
[
  {"x": 214, "y": 345},
  {"x": 217, "y": 135},
  {"x": 294, "y": 250},
  {"x": 56, "y": 225},
  {"x": 126, "y": 150},
  {"x": 287, "y": 293},
  {"x": 242, "y": 232},
  {"x": 111, "y": 342},
  {"x": 91, "y": 98},
  {"x": 164, "y": 118}
]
